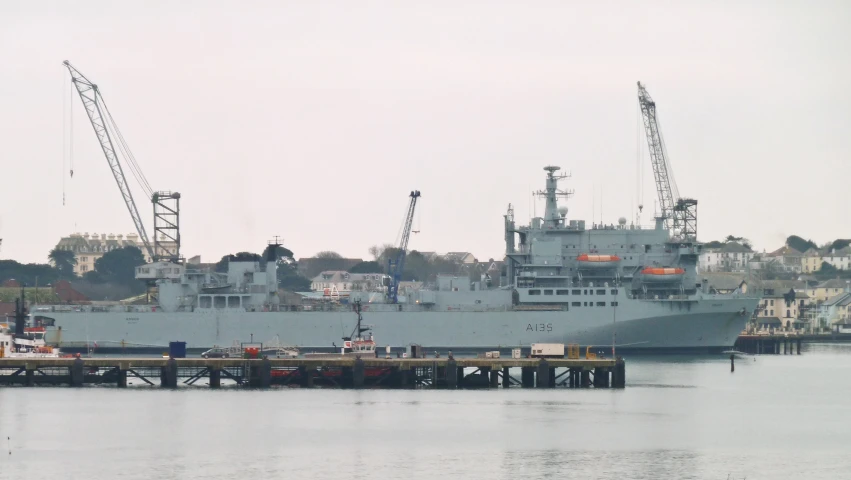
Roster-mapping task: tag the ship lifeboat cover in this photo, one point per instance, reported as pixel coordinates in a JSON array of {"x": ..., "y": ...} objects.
[
  {"x": 663, "y": 271},
  {"x": 586, "y": 257},
  {"x": 590, "y": 261}
]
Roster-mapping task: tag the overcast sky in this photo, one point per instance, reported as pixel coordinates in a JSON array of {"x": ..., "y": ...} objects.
[{"x": 314, "y": 120}]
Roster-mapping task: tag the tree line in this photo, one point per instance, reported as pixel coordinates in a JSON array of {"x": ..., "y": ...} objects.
[{"x": 116, "y": 267}]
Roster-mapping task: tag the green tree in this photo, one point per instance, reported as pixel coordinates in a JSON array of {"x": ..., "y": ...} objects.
[
  {"x": 222, "y": 265},
  {"x": 119, "y": 267},
  {"x": 827, "y": 269},
  {"x": 367, "y": 267},
  {"x": 839, "y": 244},
  {"x": 799, "y": 244},
  {"x": 287, "y": 271},
  {"x": 28, "y": 274},
  {"x": 63, "y": 261}
]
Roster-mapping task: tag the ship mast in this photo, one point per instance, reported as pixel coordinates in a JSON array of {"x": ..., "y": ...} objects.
[{"x": 552, "y": 217}]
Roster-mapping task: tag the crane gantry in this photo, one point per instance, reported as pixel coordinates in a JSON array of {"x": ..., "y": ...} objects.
[
  {"x": 166, "y": 245},
  {"x": 679, "y": 214}
]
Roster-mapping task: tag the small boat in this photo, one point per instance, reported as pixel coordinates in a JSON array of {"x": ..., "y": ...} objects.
[
  {"x": 361, "y": 346},
  {"x": 278, "y": 350}
]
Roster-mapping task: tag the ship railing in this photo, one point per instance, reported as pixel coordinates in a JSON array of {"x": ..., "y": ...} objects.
[{"x": 98, "y": 308}]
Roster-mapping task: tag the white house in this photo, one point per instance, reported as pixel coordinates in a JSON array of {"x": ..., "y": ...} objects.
[
  {"x": 839, "y": 259},
  {"x": 732, "y": 257},
  {"x": 340, "y": 282}
]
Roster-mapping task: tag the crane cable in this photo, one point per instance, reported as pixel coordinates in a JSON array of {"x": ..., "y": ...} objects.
[
  {"x": 125, "y": 150},
  {"x": 64, "y": 130}
]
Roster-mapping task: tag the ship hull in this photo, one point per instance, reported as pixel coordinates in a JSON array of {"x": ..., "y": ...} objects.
[{"x": 650, "y": 325}]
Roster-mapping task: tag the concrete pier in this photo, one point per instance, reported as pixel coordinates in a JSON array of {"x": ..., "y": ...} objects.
[{"x": 307, "y": 373}]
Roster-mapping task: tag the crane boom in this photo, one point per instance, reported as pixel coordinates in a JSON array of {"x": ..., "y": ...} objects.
[
  {"x": 97, "y": 112},
  {"x": 662, "y": 173},
  {"x": 397, "y": 265}
]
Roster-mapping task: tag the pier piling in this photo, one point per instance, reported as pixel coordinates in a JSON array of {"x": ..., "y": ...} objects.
[
  {"x": 585, "y": 378},
  {"x": 451, "y": 374},
  {"x": 77, "y": 373},
  {"x": 543, "y": 377},
  {"x": 619, "y": 374},
  {"x": 215, "y": 378},
  {"x": 601, "y": 377},
  {"x": 260, "y": 376},
  {"x": 494, "y": 373},
  {"x": 358, "y": 373},
  {"x": 168, "y": 374},
  {"x": 506, "y": 378},
  {"x": 122, "y": 378},
  {"x": 527, "y": 377}
]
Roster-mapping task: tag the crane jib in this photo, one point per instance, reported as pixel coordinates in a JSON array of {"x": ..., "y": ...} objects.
[{"x": 395, "y": 267}]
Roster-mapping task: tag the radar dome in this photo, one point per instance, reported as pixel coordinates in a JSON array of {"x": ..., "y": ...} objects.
[
  {"x": 622, "y": 221},
  {"x": 562, "y": 211}
]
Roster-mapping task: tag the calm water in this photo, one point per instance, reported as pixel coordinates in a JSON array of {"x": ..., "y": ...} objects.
[{"x": 776, "y": 417}]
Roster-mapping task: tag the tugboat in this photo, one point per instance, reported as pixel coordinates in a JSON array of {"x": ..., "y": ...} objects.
[
  {"x": 24, "y": 342},
  {"x": 360, "y": 346}
]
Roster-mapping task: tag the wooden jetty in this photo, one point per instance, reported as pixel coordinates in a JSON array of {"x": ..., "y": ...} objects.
[
  {"x": 769, "y": 344},
  {"x": 330, "y": 372}
]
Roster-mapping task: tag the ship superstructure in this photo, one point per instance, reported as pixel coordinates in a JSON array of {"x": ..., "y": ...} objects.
[{"x": 565, "y": 282}]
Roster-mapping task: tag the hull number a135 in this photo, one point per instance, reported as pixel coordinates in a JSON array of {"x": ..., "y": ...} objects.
[{"x": 539, "y": 327}]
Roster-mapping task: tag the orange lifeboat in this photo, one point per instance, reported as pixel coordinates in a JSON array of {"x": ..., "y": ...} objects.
[
  {"x": 656, "y": 274},
  {"x": 588, "y": 260}
]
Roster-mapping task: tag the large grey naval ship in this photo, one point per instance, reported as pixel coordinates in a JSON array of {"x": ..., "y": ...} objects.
[{"x": 564, "y": 282}]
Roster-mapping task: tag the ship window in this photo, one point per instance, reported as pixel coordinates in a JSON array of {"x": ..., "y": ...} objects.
[
  {"x": 534, "y": 292},
  {"x": 614, "y": 291},
  {"x": 601, "y": 304},
  {"x": 233, "y": 302},
  {"x": 576, "y": 304},
  {"x": 601, "y": 292},
  {"x": 206, "y": 301},
  {"x": 585, "y": 292},
  {"x": 548, "y": 292},
  {"x": 585, "y": 304},
  {"x": 577, "y": 292},
  {"x": 614, "y": 304},
  {"x": 562, "y": 292}
]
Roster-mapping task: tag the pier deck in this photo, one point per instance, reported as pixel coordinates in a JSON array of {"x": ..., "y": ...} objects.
[
  {"x": 307, "y": 372},
  {"x": 774, "y": 344}
]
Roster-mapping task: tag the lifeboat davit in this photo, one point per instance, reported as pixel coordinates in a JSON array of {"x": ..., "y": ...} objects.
[
  {"x": 655, "y": 274},
  {"x": 587, "y": 260}
]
